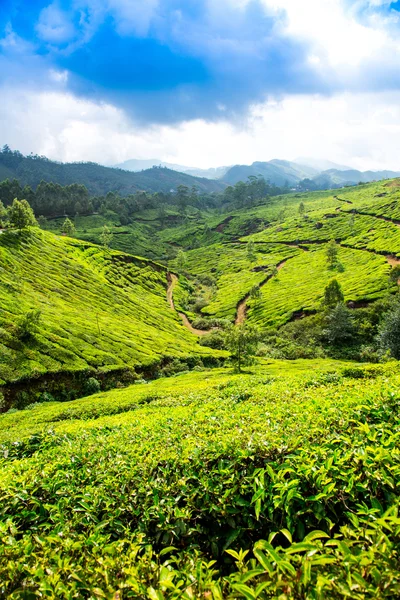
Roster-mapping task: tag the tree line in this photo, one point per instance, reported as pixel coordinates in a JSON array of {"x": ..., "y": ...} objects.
[{"x": 54, "y": 200}]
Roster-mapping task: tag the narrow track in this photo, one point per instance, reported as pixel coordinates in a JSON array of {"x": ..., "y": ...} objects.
[
  {"x": 172, "y": 281},
  {"x": 242, "y": 306}
]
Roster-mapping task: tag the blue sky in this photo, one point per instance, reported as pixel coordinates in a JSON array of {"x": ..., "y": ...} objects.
[{"x": 160, "y": 76}]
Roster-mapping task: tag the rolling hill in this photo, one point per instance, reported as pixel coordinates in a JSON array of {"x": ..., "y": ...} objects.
[
  {"x": 282, "y": 172},
  {"x": 140, "y": 164},
  {"x": 101, "y": 314},
  {"x": 99, "y": 180},
  {"x": 279, "y": 172}
]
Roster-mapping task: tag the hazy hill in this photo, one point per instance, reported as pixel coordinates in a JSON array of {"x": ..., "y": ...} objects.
[
  {"x": 337, "y": 178},
  {"x": 320, "y": 164},
  {"x": 135, "y": 165},
  {"x": 31, "y": 170},
  {"x": 281, "y": 172},
  {"x": 277, "y": 171}
]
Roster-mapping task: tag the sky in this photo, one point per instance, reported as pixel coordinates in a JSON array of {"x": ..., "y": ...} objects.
[{"x": 202, "y": 83}]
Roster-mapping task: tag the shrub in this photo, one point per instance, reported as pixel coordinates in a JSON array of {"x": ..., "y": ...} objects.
[
  {"x": 27, "y": 324},
  {"x": 389, "y": 332},
  {"x": 215, "y": 340},
  {"x": 92, "y": 386}
]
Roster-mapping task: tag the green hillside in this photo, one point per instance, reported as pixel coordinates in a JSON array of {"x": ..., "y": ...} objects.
[{"x": 100, "y": 311}]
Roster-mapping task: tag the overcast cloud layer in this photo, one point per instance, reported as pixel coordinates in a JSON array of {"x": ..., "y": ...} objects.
[{"x": 202, "y": 82}]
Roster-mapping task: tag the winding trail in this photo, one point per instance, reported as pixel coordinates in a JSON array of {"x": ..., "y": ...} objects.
[
  {"x": 242, "y": 305},
  {"x": 172, "y": 281}
]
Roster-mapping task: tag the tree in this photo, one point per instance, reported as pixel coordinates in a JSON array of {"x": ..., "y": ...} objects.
[
  {"x": 395, "y": 274},
  {"x": 255, "y": 293},
  {"x": 106, "y": 236},
  {"x": 182, "y": 198},
  {"x": 241, "y": 340},
  {"x": 3, "y": 214},
  {"x": 302, "y": 209},
  {"x": 181, "y": 260},
  {"x": 332, "y": 254},
  {"x": 251, "y": 256},
  {"x": 42, "y": 222},
  {"x": 388, "y": 336},
  {"x": 20, "y": 215},
  {"x": 273, "y": 269},
  {"x": 333, "y": 294},
  {"x": 68, "y": 228},
  {"x": 339, "y": 325}
]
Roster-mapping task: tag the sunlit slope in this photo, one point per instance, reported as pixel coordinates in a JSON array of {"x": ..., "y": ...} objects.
[
  {"x": 300, "y": 284},
  {"x": 98, "y": 309},
  {"x": 139, "y": 489}
]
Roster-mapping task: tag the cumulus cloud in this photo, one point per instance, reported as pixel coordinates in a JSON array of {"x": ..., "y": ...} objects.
[
  {"x": 138, "y": 72},
  {"x": 361, "y": 130}
]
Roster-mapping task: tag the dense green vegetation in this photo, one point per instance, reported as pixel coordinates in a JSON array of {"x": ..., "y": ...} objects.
[
  {"x": 277, "y": 482},
  {"x": 31, "y": 170},
  {"x": 100, "y": 311},
  {"x": 166, "y": 490}
]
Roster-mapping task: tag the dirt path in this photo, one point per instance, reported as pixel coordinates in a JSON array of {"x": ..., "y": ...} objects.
[
  {"x": 172, "y": 281},
  {"x": 393, "y": 261},
  {"x": 242, "y": 306}
]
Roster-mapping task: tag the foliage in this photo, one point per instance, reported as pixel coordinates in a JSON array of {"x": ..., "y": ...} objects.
[
  {"x": 339, "y": 327},
  {"x": 68, "y": 228},
  {"x": 106, "y": 236},
  {"x": 279, "y": 472},
  {"x": 241, "y": 341},
  {"x": 332, "y": 254},
  {"x": 20, "y": 215},
  {"x": 181, "y": 260},
  {"x": 389, "y": 331},
  {"x": 333, "y": 294}
]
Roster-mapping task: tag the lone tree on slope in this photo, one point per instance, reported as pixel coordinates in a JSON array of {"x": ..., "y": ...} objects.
[
  {"x": 332, "y": 254},
  {"x": 20, "y": 215},
  {"x": 333, "y": 294},
  {"x": 241, "y": 340},
  {"x": 106, "y": 236},
  {"x": 68, "y": 228}
]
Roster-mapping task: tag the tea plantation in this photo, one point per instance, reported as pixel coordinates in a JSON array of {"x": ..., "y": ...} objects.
[
  {"x": 136, "y": 462},
  {"x": 101, "y": 313},
  {"x": 282, "y": 482}
]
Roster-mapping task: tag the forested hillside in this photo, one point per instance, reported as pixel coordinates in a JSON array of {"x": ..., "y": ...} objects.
[{"x": 99, "y": 180}]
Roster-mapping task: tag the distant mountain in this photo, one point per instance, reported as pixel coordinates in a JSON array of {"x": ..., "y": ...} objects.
[
  {"x": 320, "y": 164},
  {"x": 279, "y": 172},
  {"x": 335, "y": 178},
  {"x": 31, "y": 170},
  {"x": 136, "y": 164}
]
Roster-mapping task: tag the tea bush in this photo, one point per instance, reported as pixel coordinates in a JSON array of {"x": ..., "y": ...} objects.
[{"x": 209, "y": 484}]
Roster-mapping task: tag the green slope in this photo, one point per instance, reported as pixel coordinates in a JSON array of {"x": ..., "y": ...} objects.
[
  {"x": 153, "y": 491},
  {"x": 99, "y": 310}
]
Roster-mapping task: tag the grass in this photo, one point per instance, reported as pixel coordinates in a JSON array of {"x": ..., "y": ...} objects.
[{"x": 132, "y": 493}]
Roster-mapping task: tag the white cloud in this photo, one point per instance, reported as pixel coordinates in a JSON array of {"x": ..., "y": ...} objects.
[
  {"x": 337, "y": 37},
  {"x": 361, "y": 130},
  {"x": 54, "y": 25}
]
